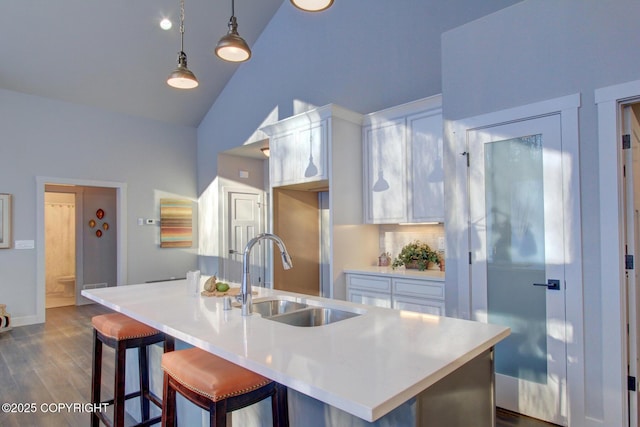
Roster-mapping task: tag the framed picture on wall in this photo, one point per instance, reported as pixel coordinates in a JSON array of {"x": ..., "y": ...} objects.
[{"x": 5, "y": 221}]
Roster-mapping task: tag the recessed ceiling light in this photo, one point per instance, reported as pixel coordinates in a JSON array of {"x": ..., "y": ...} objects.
[{"x": 166, "y": 24}]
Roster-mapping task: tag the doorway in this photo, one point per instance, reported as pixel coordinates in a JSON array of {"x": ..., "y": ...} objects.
[
  {"x": 617, "y": 233},
  {"x": 60, "y": 248},
  {"x": 631, "y": 183},
  {"x": 518, "y": 220},
  {"x": 88, "y": 273},
  {"x": 80, "y": 225}
]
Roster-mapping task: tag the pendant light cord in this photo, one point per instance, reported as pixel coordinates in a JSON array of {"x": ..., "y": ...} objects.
[{"x": 181, "y": 25}]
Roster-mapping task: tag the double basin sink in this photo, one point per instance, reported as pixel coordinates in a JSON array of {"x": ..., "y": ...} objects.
[{"x": 299, "y": 314}]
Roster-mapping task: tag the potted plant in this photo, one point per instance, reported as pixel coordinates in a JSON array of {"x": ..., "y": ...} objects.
[{"x": 416, "y": 255}]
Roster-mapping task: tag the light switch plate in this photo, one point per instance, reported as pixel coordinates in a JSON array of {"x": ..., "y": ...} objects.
[
  {"x": 441, "y": 243},
  {"x": 24, "y": 244}
]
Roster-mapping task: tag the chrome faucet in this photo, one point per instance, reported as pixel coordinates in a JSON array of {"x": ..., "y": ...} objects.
[{"x": 245, "y": 289}]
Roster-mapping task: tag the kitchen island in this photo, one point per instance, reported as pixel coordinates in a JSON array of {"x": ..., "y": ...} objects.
[{"x": 378, "y": 367}]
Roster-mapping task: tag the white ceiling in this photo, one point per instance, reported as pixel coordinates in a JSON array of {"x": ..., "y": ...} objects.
[{"x": 114, "y": 55}]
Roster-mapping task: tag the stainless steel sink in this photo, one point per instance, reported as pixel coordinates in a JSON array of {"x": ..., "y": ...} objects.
[
  {"x": 313, "y": 316},
  {"x": 274, "y": 307},
  {"x": 298, "y": 313}
]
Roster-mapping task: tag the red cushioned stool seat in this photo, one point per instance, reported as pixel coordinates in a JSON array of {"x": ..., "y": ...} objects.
[
  {"x": 218, "y": 386},
  {"x": 121, "y": 332}
]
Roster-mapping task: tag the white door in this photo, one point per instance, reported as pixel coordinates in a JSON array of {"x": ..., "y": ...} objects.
[
  {"x": 517, "y": 269},
  {"x": 631, "y": 182},
  {"x": 245, "y": 222}
]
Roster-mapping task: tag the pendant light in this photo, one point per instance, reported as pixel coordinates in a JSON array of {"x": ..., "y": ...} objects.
[
  {"x": 182, "y": 77},
  {"x": 231, "y": 46},
  {"x": 312, "y": 5}
]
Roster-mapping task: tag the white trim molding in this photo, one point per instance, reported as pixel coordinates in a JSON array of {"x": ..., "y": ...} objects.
[{"x": 614, "y": 305}]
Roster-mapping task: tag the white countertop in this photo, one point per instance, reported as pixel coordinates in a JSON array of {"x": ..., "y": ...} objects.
[
  {"x": 366, "y": 365},
  {"x": 401, "y": 272}
]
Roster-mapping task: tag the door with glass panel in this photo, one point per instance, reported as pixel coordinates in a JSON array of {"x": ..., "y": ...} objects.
[{"x": 517, "y": 259}]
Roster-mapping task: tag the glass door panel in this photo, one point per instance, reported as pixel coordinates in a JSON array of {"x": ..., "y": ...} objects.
[{"x": 514, "y": 204}]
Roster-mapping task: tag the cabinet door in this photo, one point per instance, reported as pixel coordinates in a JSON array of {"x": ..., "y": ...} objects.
[
  {"x": 426, "y": 179},
  {"x": 283, "y": 158},
  {"x": 424, "y": 296},
  {"x": 299, "y": 155},
  {"x": 419, "y": 288},
  {"x": 420, "y": 305},
  {"x": 368, "y": 289},
  {"x": 312, "y": 153},
  {"x": 362, "y": 296},
  {"x": 385, "y": 172}
]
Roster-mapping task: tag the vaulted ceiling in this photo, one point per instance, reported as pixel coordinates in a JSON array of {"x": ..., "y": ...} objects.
[{"x": 114, "y": 55}]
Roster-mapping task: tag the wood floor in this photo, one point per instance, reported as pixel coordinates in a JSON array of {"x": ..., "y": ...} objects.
[{"x": 50, "y": 363}]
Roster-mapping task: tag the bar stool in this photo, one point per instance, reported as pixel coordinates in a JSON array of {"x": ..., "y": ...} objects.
[
  {"x": 121, "y": 332},
  {"x": 218, "y": 386}
]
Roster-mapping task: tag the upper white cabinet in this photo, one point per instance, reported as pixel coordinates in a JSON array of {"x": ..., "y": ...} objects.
[
  {"x": 301, "y": 146},
  {"x": 298, "y": 151},
  {"x": 403, "y": 167}
]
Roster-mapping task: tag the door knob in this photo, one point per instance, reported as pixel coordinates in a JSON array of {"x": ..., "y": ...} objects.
[{"x": 552, "y": 284}]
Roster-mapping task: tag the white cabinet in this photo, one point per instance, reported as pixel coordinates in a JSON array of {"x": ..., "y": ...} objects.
[
  {"x": 371, "y": 290},
  {"x": 380, "y": 290},
  {"x": 301, "y": 146},
  {"x": 362, "y": 296},
  {"x": 298, "y": 152},
  {"x": 423, "y": 296},
  {"x": 426, "y": 178},
  {"x": 316, "y": 202},
  {"x": 385, "y": 172},
  {"x": 403, "y": 166}
]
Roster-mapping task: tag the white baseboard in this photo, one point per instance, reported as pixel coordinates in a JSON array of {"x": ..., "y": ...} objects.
[
  {"x": 593, "y": 422},
  {"x": 25, "y": 320}
]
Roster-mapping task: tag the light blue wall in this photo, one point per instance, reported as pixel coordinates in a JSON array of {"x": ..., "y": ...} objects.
[
  {"x": 42, "y": 137},
  {"x": 538, "y": 50},
  {"x": 362, "y": 55}
]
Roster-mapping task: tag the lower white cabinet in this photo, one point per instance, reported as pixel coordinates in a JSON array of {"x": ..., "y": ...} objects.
[
  {"x": 424, "y": 296},
  {"x": 363, "y": 296},
  {"x": 372, "y": 290},
  {"x": 421, "y": 295}
]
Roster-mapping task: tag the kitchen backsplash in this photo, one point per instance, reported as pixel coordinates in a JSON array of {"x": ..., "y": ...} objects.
[{"x": 394, "y": 237}]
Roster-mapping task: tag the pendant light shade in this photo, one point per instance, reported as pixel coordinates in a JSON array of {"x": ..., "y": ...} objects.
[
  {"x": 312, "y": 5},
  {"x": 231, "y": 46},
  {"x": 182, "y": 77}
]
